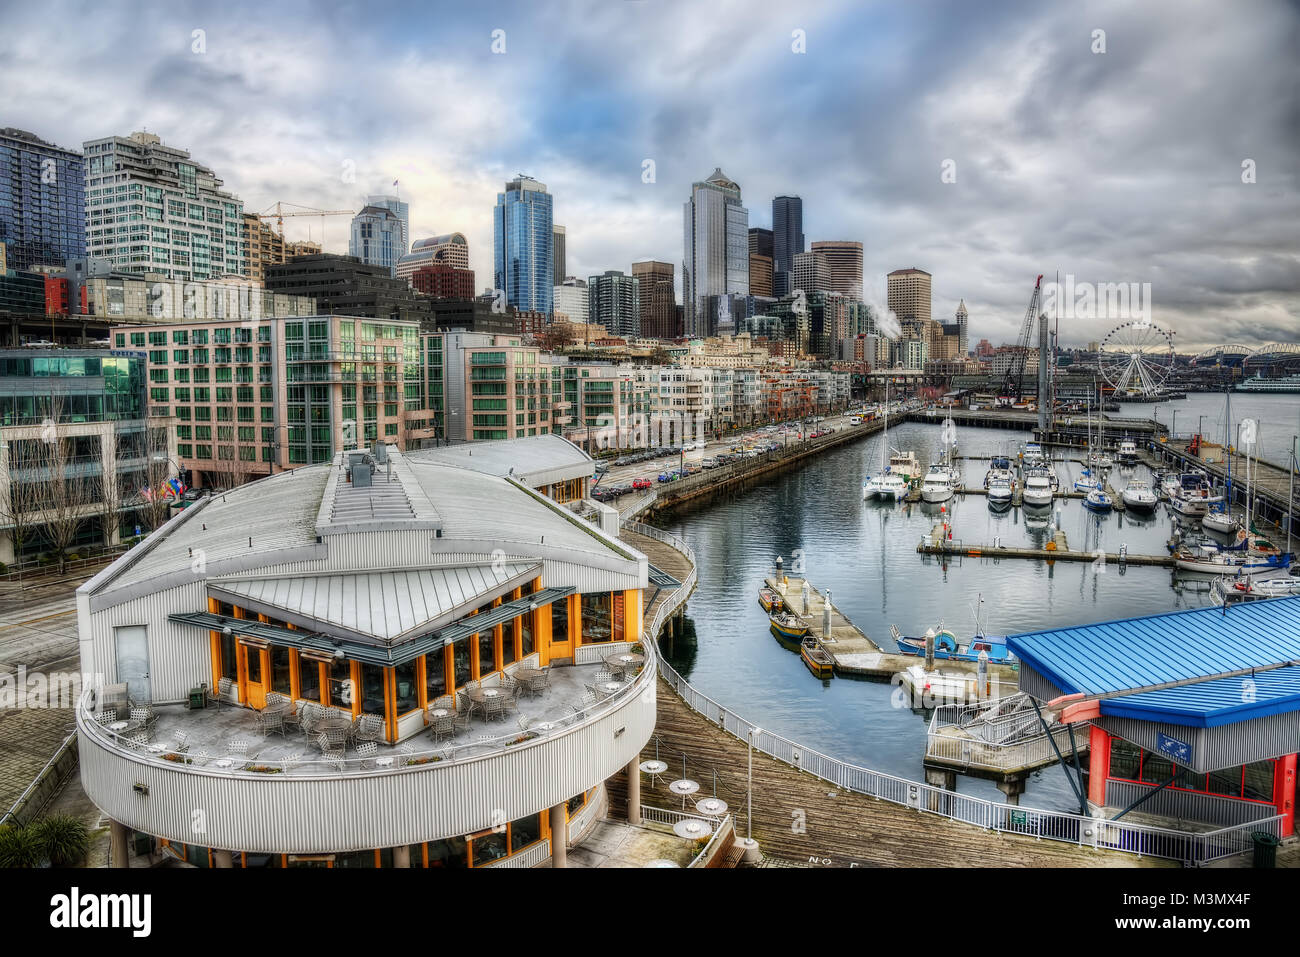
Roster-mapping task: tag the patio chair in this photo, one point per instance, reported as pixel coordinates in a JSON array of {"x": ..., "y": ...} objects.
[
  {"x": 137, "y": 739},
  {"x": 546, "y": 676},
  {"x": 237, "y": 747},
  {"x": 443, "y": 728},
  {"x": 331, "y": 752},
  {"x": 366, "y": 752},
  {"x": 274, "y": 699},
  {"x": 335, "y": 737},
  {"x": 310, "y": 717},
  {"x": 146, "y": 717},
  {"x": 221, "y": 694},
  {"x": 473, "y": 685},
  {"x": 291, "y": 761},
  {"x": 510, "y": 700},
  {"x": 368, "y": 727},
  {"x": 180, "y": 742},
  {"x": 105, "y": 718},
  {"x": 269, "y": 721},
  {"x": 494, "y": 706},
  {"x": 200, "y": 757},
  {"x": 603, "y": 676},
  {"x": 446, "y": 702},
  {"x": 589, "y": 697}
]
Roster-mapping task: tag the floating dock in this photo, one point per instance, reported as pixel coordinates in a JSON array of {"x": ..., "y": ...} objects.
[
  {"x": 936, "y": 545},
  {"x": 857, "y": 655}
]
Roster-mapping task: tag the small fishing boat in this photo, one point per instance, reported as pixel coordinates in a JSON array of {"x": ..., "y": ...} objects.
[
  {"x": 1138, "y": 496},
  {"x": 771, "y": 600},
  {"x": 949, "y": 647},
  {"x": 1098, "y": 501},
  {"x": 818, "y": 660},
  {"x": 789, "y": 625},
  {"x": 906, "y": 465}
]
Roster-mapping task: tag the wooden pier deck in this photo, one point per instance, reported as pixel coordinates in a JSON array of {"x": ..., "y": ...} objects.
[
  {"x": 853, "y": 652},
  {"x": 801, "y": 819},
  {"x": 967, "y": 550}
]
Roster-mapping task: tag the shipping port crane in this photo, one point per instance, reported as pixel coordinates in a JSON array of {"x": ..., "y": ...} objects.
[{"x": 1013, "y": 384}]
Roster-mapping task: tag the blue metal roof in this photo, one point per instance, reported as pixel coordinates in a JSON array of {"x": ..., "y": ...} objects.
[{"x": 1138, "y": 652}]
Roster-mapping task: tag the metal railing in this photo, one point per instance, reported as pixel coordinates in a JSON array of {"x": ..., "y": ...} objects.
[
  {"x": 46, "y": 784},
  {"x": 1012, "y": 740},
  {"x": 403, "y": 756}
]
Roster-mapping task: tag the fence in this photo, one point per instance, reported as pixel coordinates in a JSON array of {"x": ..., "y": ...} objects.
[
  {"x": 964, "y": 735},
  {"x": 47, "y": 784}
]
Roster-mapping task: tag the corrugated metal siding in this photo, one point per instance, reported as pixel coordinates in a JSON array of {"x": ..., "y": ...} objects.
[
  {"x": 1185, "y": 805},
  {"x": 1031, "y": 682},
  {"x": 1226, "y": 746},
  {"x": 315, "y": 814}
]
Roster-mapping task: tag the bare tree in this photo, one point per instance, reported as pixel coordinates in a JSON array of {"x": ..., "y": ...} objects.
[
  {"x": 65, "y": 497},
  {"x": 156, "y": 507},
  {"x": 108, "y": 489},
  {"x": 20, "y": 505},
  {"x": 239, "y": 467}
]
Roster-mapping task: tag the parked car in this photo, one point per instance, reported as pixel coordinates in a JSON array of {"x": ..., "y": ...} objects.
[
  {"x": 710, "y": 463},
  {"x": 641, "y": 483}
]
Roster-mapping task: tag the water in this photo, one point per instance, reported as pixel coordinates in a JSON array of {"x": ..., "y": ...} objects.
[
  {"x": 865, "y": 554},
  {"x": 1278, "y": 417}
]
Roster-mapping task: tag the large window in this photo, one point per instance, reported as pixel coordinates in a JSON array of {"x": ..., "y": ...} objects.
[
  {"x": 486, "y": 655},
  {"x": 341, "y": 690},
  {"x": 435, "y": 676},
  {"x": 560, "y": 620},
  {"x": 405, "y": 688},
  {"x": 308, "y": 679},
  {"x": 508, "y": 629},
  {"x": 280, "y": 670},
  {"x": 1253, "y": 782},
  {"x": 526, "y": 644},
  {"x": 453, "y": 852},
  {"x": 596, "y": 617},
  {"x": 462, "y": 652},
  {"x": 372, "y": 686}
]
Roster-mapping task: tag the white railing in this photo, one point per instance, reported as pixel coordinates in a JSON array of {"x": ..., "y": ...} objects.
[
  {"x": 976, "y": 752},
  {"x": 532, "y": 855},
  {"x": 1231, "y": 841},
  {"x": 720, "y": 834},
  {"x": 597, "y": 653},
  {"x": 638, "y": 505}
]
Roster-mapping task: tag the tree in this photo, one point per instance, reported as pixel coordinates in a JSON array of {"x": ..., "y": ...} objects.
[
  {"x": 108, "y": 488},
  {"x": 65, "y": 497},
  {"x": 156, "y": 506},
  {"x": 20, "y": 504}
]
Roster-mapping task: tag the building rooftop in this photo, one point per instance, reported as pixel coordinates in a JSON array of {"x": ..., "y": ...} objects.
[{"x": 534, "y": 460}]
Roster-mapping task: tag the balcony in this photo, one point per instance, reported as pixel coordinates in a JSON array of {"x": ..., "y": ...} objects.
[{"x": 551, "y": 749}]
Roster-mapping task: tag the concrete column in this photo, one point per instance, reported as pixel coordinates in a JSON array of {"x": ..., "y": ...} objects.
[
  {"x": 222, "y": 859},
  {"x": 402, "y": 856},
  {"x": 1012, "y": 787},
  {"x": 634, "y": 792},
  {"x": 118, "y": 854},
  {"x": 559, "y": 837}
]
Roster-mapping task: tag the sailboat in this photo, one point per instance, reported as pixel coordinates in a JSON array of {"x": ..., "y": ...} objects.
[
  {"x": 886, "y": 484},
  {"x": 1087, "y": 480}
]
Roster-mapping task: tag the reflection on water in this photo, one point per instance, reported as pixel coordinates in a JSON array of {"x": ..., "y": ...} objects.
[{"x": 865, "y": 554}]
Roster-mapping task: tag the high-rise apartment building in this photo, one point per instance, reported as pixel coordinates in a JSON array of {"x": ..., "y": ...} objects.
[
  {"x": 658, "y": 299},
  {"x": 377, "y": 238},
  {"x": 152, "y": 208},
  {"x": 403, "y": 213},
  {"x": 812, "y": 273},
  {"x": 845, "y": 260},
  {"x": 42, "y": 202},
  {"x": 716, "y": 260},
  {"x": 559, "y": 265},
  {"x": 262, "y": 246},
  {"x": 347, "y": 286},
  {"x": 909, "y": 295},
  {"x": 440, "y": 281},
  {"x": 449, "y": 249},
  {"x": 571, "y": 300},
  {"x": 614, "y": 301},
  {"x": 787, "y": 241},
  {"x": 523, "y": 244}
]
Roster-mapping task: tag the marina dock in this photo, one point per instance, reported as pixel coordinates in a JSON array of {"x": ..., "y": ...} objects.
[
  {"x": 935, "y": 545},
  {"x": 856, "y": 654}
]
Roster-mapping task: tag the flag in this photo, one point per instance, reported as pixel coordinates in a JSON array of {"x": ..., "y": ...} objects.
[
  {"x": 394, "y": 182},
  {"x": 176, "y": 486},
  {"x": 147, "y": 494}
]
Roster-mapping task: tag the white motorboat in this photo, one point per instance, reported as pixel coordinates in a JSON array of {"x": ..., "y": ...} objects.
[
  {"x": 1211, "y": 560},
  {"x": 1138, "y": 496},
  {"x": 1221, "y": 521},
  {"x": 1098, "y": 501},
  {"x": 1127, "y": 452},
  {"x": 1038, "y": 488},
  {"x": 999, "y": 481},
  {"x": 1031, "y": 454},
  {"x": 887, "y": 485},
  {"x": 905, "y": 464},
  {"x": 939, "y": 484},
  {"x": 1100, "y": 460}
]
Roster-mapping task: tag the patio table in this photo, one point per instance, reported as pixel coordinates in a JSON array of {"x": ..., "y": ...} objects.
[
  {"x": 624, "y": 662},
  {"x": 608, "y": 688},
  {"x": 125, "y": 727}
]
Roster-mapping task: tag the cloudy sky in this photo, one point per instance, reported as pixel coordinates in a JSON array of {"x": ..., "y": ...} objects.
[{"x": 1117, "y": 166}]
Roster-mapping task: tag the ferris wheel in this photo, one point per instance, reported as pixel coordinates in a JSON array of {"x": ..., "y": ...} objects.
[{"x": 1136, "y": 358}]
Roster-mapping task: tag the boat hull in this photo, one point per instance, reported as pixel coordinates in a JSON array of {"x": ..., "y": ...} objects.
[
  {"x": 935, "y": 494},
  {"x": 1139, "y": 503},
  {"x": 791, "y": 631}
]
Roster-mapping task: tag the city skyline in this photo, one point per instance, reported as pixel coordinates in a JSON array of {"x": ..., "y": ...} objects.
[{"x": 1053, "y": 146}]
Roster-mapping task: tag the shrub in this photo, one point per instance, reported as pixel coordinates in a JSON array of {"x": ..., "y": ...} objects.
[
  {"x": 20, "y": 847},
  {"x": 64, "y": 838}
]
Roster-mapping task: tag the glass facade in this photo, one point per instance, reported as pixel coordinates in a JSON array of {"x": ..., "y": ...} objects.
[
  {"x": 42, "y": 202},
  {"x": 523, "y": 239},
  {"x": 93, "y": 386}
]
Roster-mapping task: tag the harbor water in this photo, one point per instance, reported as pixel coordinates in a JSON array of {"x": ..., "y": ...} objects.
[{"x": 865, "y": 554}]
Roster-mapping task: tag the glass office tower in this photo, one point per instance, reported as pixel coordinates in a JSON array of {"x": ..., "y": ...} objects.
[
  {"x": 42, "y": 201},
  {"x": 523, "y": 238}
]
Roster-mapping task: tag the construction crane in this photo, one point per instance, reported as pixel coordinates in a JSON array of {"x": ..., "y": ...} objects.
[
  {"x": 1014, "y": 381},
  {"x": 280, "y": 214}
]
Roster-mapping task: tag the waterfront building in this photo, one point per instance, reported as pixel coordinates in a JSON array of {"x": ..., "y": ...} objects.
[
  {"x": 572, "y": 300},
  {"x": 435, "y": 600},
  {"x": 151, "y": 208},
  {"x": 481, "y": 386},
  {"x": 909, "y": 295},
  {"x": 450, "y": 249},
  {"x": 348, "y": 286},
  {"x": 599, "y": 405},
  {"x": 1197, "y": 727},
  {"x": 844, "y": 261},
  {"x": 523, "y": 244},
  {"x": 716, "y": 259},
  {"x": 96, "y": 400},
  {"x": 614, "y": 301},
  {"x": 378, "y": 238},
  {"x": 42, "y": 202},
  {"x": 559, "y": 262},
  {"x": 658, "y": 299},
  {"x": 252, "y": 395},
  {"x": 787, "y": 241}
]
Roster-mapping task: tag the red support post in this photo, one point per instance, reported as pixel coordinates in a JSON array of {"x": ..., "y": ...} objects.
[
  {"x": 1284, "y": 792},
  {"x": 1098, "y": 765}
]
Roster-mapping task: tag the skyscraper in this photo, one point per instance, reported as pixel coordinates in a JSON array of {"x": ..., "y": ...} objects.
[
  {"x": 403, "y": 213},
  {"x": 523, "y": 245},
  {"x": 658, "y": 299},
  {"x": 760, "y": 262},
  {"x": 909, "y": 295},
  {"x": 570, "y": 299},
  {"x": 812, "y": 273},
  {"x": 42, "y": 201},
  {"x": 845, "y": 260},
  {"x": 614, "y": 301},
  {"x": 377, "y": 238},
  {"x": 557, "y": 255},
  {"x": 716, "y": 260},
  {"x": 188, "y": 227},
  {"x": 787, "y": 240},
  {"x": 963, "y": 319}
]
